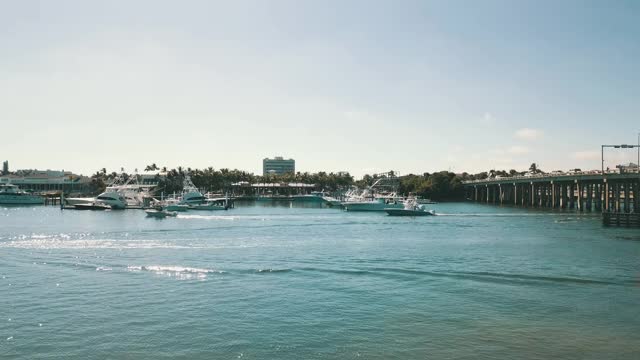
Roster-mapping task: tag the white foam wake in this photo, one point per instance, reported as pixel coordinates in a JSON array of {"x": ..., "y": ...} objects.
[
  {"x": 57, "y": 243},
  {"x": 179, "y": 272}
]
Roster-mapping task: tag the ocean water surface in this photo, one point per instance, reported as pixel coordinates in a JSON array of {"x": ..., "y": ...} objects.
[{"x": 476, "y": 282}]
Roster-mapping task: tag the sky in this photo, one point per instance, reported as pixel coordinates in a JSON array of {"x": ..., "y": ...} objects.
[{"x": 358, "y": 86}]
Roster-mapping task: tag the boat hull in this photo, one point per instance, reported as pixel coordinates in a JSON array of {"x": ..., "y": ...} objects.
[
  {"x": 405, "y": 212},
  {"x": 160, "y": 214},
  {"x": 207, "y": 207},
  {"x": 370, "y": 206},
  {"x": 92, "y": 207},
  {"x": 178, "y": 207}
]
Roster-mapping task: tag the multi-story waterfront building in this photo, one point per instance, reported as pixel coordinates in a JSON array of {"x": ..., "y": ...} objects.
[
  {"x": 277, "y": 166},
  {"x": 48, "y": 181}
]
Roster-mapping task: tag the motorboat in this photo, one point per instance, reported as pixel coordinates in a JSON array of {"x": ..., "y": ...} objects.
[
  {"x": 11, "y": 194},
  {"x": 410, "y": 208},
  {"x": 160, "y": 213},
  {"x": 113, "y": 199},
  {"x": 92, "y": 206}
]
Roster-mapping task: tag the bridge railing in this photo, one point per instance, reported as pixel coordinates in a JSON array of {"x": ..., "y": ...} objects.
[{"x": 550, "y": 175}]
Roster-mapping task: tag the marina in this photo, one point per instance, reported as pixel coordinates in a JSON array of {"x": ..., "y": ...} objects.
[
  {"x": 267, "y": 280},
  {"x": 312, "y": 180}
]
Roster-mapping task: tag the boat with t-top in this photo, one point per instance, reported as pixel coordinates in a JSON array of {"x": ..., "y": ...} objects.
[
  {"x": 411, "y": 207},
  {"x": 192, "y": 199},
  {"x": 377, "y": 197}
]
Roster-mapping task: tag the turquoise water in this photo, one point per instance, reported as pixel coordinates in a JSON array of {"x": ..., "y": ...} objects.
[{"x": 478, "y": 282}]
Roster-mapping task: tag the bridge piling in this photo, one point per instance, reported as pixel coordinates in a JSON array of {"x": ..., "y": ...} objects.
[{"x": 612, "y": 193}]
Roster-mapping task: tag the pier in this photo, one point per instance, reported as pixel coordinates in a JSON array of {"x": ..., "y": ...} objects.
[{"x": 616, "y": 195}]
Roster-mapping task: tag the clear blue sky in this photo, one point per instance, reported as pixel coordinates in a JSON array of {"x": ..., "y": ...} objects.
[{"x": 360, "y": 86}]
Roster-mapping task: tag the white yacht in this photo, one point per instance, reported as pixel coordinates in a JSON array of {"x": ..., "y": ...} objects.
[
  {"x": 374, "y": 204},
  {"x": 191, "y": 199},
  {"x": 113, "y": 199},
  {"x": 11, "y": 194},
  {"x": 378, "y": 197},
  {"x": 120, "y": 194},
  {"x": 411, "y": 208}
]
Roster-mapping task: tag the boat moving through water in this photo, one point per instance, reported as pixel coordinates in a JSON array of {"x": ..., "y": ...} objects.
[
  {"x": 159, "y": 213},
  {"x": 411, "y": 208}
]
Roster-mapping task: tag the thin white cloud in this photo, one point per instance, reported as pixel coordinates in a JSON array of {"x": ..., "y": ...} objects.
[{"x": 528, "y": 134}]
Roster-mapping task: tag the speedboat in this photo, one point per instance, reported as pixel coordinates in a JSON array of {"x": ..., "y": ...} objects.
[
  {"x": 11, "y": 194},
  {"x": 410, "y": 208},
  {"x": 92, "y": 206},
  {"x": 159, "y": 213}
]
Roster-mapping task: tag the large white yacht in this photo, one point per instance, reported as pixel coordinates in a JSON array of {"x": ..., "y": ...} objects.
[
  {"x": 377, "y": 197},
  {"x": 374, "y": 203},
  {"x": 120, "y": 194},
  {"x": 11, "y": 194},
  {"x": 189, "y": 198}
]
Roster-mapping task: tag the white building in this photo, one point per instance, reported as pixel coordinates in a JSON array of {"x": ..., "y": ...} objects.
[{"x": 48, "y": 180}]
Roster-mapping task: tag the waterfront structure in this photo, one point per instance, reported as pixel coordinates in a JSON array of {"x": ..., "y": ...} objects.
[
  {"x": 277, "y": 166},
  {"x": 608, "y": 192},
  {"x": 245, "y": 189},
  {"x": 48, "y": 181}
]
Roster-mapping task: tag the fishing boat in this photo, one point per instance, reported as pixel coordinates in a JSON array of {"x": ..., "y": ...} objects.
[
  {"x": 379, "y": 196},
  {"x": 410, "y": 208},
  {"x": 11, "y": 194},
  {"x": 192, "y": 199},
  {"x": 123, "y": 192},
  {"x": 373, "y": 204}
]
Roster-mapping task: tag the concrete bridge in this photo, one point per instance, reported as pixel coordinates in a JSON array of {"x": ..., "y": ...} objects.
[{"x": 591, "y": 191}]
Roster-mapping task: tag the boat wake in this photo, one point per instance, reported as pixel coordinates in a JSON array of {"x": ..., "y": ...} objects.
[
  {"x": 63, "y": 243},
  {"x": 178, "y": 272},
  {"x": 489, "y": 277}
]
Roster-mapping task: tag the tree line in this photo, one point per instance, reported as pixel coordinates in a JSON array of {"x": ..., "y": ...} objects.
[{"x": 441, "y": 186}]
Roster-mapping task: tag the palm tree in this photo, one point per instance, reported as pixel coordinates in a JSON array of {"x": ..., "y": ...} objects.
[{"x": 152, "y": 167}]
